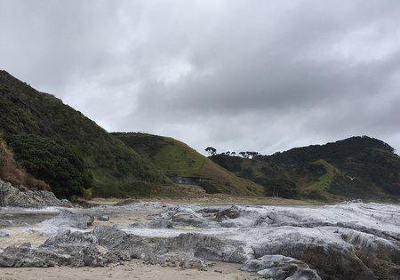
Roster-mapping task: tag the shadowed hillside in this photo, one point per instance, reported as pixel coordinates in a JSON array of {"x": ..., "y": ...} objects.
[
  {"x": 176, "y": 158},
  {"x": 60, "y": 146},
  {"x": 11, "y": 172},
  {"x": 358, "y": 167}
]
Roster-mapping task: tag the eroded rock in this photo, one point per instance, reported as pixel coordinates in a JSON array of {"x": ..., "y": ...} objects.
[
  {"x": 13, "y": 197},
  {"x": 231, "y": 213},
  {"x": 331, "y": 261},
  {"x": 103, "y": 218},
  {"x": 67, "y": 219},
  {"x": 279, "y": 267},
  {"x": 65, "y": 249}
]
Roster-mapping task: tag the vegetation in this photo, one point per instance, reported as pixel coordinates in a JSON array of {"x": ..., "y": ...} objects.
[
  {"x": 211, "y": 151},
  {"x": 46, "y": 144},
  {"x": 358, "y": 167},
  {"x": 176, "y": 158},
  {"x": 29, "y": 117},
  {"x": 59, "y": 165},
  {"x": 11, "y": 172}
]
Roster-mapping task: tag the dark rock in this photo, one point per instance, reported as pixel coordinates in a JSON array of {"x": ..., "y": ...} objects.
[
  {"x": 231, "y": 213},
  {"x": 331, "y": 261},
  {"x": 184, "y": 218},
  {"x": 13, "y": 197},
  {"x": 178, "y": 217},
  {"x": 5, "y": 223},
  {"x": 65, "y": 249},
  {"x": 28, "y": 257},
  {"x": 159, "y": 223},
  {"x": 103, "y": 218},
  {"x": 127, "y": 202},
  {"x": 279, "y": 267}
]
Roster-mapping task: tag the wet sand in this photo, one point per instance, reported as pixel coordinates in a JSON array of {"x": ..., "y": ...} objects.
[{"x": 135, "y": 269}]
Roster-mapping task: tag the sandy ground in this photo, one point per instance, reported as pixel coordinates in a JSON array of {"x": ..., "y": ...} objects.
[
  {"x": 131, "y": 270},
  {"x": 21, "y": 235}
]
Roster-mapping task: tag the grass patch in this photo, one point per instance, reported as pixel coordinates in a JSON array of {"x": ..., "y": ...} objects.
[{"x": 176, "y": 158}]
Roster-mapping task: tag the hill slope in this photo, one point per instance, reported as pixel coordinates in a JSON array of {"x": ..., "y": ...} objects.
[
  {"x": 358, "y": 167},
  {"x": 60, "y": 146},
  {"x": 176, "y": 158}
]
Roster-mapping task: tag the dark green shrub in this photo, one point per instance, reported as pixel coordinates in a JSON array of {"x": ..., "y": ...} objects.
[{"x": 56, "y": 163}]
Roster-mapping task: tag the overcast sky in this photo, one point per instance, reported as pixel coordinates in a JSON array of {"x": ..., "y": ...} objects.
[{"x": 237, "y": 75}]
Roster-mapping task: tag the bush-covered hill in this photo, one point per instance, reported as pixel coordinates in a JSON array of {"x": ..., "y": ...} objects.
[
  {"x": 176, "y": 158},
  {"x": 57, "y": 144},
  {"x": 358, "y": 167},
  {"x": 11, "y": 172}
]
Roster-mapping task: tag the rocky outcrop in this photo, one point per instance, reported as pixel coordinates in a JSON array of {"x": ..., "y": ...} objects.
[
  {"x": 65, "y": 249},
  {"x": 230, "y": 213},
  {"x": 123, "y": 246},
  {"x": 332, "y": 262},
  {"x": 67, "y": 219},
  {"x": 339, "y": 242},
  {"x": 279, "y": 267},
  {"x": 13, "y": 197},
  {"x": 105, "y": 244},
  {"x": 179, "y": 217}
]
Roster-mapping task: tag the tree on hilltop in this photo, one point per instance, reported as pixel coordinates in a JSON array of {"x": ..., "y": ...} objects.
[{"x": 211, "y": 151}]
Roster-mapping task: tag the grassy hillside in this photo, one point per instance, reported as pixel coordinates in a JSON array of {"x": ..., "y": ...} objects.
[
  {"x": 176, "y": 158},
  {"x": 59, "y": 145},
  {"x": 358, "y": 167}
]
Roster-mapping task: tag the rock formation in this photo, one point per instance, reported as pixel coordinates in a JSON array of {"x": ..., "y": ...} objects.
[{"x": 13, "y": 197}]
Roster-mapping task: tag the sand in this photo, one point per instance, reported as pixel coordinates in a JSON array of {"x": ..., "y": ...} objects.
[{"x": 135, "y": 269}]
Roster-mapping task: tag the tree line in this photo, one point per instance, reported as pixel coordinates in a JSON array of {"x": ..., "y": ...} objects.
[{"x": 248, "y": 154}]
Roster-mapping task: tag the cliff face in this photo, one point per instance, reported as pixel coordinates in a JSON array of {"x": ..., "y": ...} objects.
[{"x": 358, "y": 167}]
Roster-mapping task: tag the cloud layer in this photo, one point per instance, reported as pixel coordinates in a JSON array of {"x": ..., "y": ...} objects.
[{"x": 237, "y": 75}]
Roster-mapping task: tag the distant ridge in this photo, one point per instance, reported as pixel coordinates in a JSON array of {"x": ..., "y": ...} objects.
[
  {"x": 46, "y": 144},
  {"x": 357, "y": 167}
]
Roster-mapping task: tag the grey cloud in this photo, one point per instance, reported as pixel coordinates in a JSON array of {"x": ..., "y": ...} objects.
[{"x": 261, "y": 75}]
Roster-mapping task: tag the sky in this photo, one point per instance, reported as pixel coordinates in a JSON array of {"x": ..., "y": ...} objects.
[{"x": 238, "y": 75}]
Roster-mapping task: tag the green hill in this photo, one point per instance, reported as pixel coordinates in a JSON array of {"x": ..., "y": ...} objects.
[
  {"x": 57, "y": 144},
  {"x": 176, "y": 158},
  {"x": 358, "y": 167}
]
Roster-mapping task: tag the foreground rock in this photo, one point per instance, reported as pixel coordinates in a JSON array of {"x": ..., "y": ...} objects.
[
  {"x": 108, "y": 245},
  {"x": 65, "y": 249},
  {"x": 279, "y": 267},
  {"x": 13, "y": 197},
  {"x": 345, "y": 241}
]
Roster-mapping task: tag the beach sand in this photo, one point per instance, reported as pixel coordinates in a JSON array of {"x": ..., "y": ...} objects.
[{"x": 135, "y": 269}]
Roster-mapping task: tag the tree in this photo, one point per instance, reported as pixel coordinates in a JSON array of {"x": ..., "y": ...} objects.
[
  {"x": 252, "y": 154},
  {"x": 211, "y": 151},
  {"x": 233, "y": 154},
  {"x": 228, "y": 153},
  {"x": 243, "y": 154}
]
